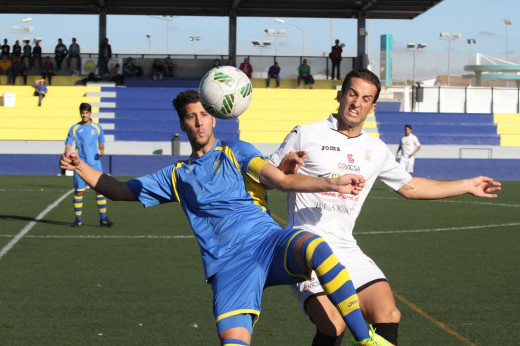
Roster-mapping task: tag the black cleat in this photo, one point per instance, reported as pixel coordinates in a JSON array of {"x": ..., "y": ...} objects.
[
  {"x": 105, "y": 223},
  {"x": 77, "y": 223}
]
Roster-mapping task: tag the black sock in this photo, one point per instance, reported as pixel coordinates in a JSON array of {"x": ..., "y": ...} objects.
[
  {"x": 326, "y": 340},
  {"x": 387, "y": 331}
]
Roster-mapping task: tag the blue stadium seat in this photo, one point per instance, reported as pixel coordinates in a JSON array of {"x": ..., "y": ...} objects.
[{"x": 439, "y": 128}]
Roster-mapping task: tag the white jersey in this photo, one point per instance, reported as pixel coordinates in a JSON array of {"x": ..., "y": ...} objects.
[
  {"x": 330, "y": 154},
  {"x": 409, "y": 144}
]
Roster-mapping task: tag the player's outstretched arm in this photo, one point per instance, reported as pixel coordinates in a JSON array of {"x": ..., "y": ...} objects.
[
  {"x": 102, "y": 183},
  {"x": 347, "y": 184},
  {"x": 422, "y": 188}
]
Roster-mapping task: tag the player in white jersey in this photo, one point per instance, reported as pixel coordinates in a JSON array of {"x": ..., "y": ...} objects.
[
  {"x": 409, "y": 145},
  {"x": 338, "y": 146}
]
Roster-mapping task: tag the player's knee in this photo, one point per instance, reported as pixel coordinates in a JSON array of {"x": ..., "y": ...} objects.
[{"x": 390, "y": 315}]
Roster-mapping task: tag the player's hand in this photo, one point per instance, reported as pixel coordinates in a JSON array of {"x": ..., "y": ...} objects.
[
  {"x": 483, "y": 187},
  {"x": 351, "y": 184},
  {"x": 69, "y": 161},
  {"x": 292, "y": 162}
]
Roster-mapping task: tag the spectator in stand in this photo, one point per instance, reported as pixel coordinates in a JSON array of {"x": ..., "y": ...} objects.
[
  {"x": 17, "y": 51},
  {"x": 19, "y": 69},
  {"x": 105, "y": 54},
  {"x": 304, "y": 73},
  {"x": 216, "y": 63},
  {"x": 40, "y": 90},
  {"x": 246, "y": 67},
  {"x": 274, "y": 72},
  {"x": 157, "y": 70},
  {"x": 130, "y": 69},
  {"x": 60, "y": 52},
  {"x": 74, "y": 53},
  {"x": 48, "y": 69},
  {"x": 26, "y": 52},
  {"x": 6, "y": 67},
  {"x": 6, "y": 49},
  {"x": 335, "y": 58},
  {"x": 115, "y": 76},
  {"x": 231, "y": 62},
  {"x": 169, "y": 68},
  {"x": 36, "y": 54}
]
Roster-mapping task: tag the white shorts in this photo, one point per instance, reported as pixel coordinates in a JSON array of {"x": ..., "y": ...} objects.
[
  {"x": 407, "y": 163},
  {"x": 363, "y": 272}
]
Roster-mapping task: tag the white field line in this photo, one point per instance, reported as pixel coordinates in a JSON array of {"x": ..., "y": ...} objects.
[
  {"x": 31, "y": 224},
  {"x": 443, "y": 229}
]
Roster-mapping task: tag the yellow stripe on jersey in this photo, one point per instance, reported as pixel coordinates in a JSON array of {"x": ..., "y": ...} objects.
[
  {"x": 348, "y": 305},
  {"x": 337, "y": 282},
  {"x": 74, "y": 129},
  {"x": 174, "y": 180},
  {"x": 254, "y": 188},
  {"x": 96, "y": 127}
]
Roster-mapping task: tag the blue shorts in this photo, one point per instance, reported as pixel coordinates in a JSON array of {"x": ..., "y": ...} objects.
[
  {"x": 237, "y": 290},
  {"x": 79, "y": 184}
]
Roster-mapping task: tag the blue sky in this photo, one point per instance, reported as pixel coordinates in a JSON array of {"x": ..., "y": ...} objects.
[{"x": 477, "y": 19}]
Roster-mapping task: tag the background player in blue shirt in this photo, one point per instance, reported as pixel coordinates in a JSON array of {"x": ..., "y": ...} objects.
[
  {"x": 221, "y": 190},
  {"x": 90, "y": 146}
]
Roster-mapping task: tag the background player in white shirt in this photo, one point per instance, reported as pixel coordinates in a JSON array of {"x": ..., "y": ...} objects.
[
  {"x": 338, "y": 146},
  {"x": 409, "y": 145}
]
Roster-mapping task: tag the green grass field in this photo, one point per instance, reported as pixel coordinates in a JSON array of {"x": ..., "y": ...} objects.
[{"x": 453, "y": 265}]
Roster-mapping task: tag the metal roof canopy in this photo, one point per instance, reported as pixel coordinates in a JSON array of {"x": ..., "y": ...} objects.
[{"x": 358, "y": 9}]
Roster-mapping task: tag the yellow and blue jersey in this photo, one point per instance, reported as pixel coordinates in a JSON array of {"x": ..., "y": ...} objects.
[
  {"x": 220, "y": 194},
  {"x": 87, "y": 137}
]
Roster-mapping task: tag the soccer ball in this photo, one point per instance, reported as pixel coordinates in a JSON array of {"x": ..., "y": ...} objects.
[{"x": 225, "y": 92}]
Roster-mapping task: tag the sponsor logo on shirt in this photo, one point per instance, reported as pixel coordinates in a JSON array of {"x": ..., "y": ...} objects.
[
  {"x": 330, "y": 148},
  {"x": 348, "y": 167},
  {"x": 216, "y": 165},
  {"x": 334, "y": 207},
  {"x": 350, "y": 158}
]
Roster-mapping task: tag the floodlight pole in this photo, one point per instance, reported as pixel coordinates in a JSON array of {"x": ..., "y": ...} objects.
[{"x": 508, "y": 23}]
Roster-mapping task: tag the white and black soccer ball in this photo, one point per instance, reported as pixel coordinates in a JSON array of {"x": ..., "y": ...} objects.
[{"x": 225, "y": 92}]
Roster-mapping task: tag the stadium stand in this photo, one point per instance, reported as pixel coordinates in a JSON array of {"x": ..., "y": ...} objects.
[
  {"x": 146, "y": 114},
  {"x": 439, "y": 128},
  {"x": 275, "y": 112},
  {"x": 51, "y": 121},
  {"x": 508, "y": 127}
]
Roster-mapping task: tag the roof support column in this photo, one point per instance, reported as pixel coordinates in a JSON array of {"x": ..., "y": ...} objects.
[
  {"x": 362, "y": 59},
  {"x": 232, "y": 49},
  {"x": 102, "y": 24}
]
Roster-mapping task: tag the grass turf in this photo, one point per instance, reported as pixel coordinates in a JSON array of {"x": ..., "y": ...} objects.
[{"x": 452, "y": 265}]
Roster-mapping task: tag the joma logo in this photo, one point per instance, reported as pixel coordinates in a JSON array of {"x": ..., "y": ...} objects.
[{"x": 330, "y": 147}]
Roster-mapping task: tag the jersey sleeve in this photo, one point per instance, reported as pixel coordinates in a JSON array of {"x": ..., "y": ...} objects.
[
  {"x": 290, "y": 143},
  {"x": 417, "y": 143},
  {"x": 70, "y": 136},
  {"x": 154, "y": 189},
  {"x": 101, "y": 138},
  {"x": 392, "y": 174},
  {"x": 249, "y": 158}
]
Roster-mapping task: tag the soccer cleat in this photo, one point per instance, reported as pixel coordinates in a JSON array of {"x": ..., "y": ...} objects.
[
  {"x": 105, "y": 223},
  {"x": 77, "y": 223},
  {"x": 373, "y": 340}
]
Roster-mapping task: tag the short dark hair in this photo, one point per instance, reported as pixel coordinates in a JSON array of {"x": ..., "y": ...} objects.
[
  {"x": 184, "y": 98},
  {"x": 408, "y": 126},
  {"x": 367, "y": 76},
  {"x": 85, "y": 107}
]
